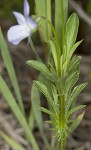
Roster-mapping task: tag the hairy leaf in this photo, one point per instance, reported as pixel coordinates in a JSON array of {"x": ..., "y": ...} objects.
[
  {"x": 74, "y": 48},
  {"x": 74, "y": 110},
  {"x": 44, "y": 90},
  {"x": 39, "y": 66},
  {"x": 71, "y": 80},
  {"x": 47, "y": 111},
  {"x": 53, "y": 51},
  {"x": 71, "y": 31},
  {"x": 76, "y": 91},
  {"x": 74, "y": 65},
  {"x": 75, "y": 123}
]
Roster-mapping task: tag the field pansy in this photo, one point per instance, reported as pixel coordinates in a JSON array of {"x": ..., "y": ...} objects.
[{"x": 24, "y": 28}]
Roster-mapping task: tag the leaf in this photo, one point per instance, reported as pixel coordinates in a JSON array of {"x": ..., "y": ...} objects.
[
  {"x": 74, "y": 48},
  {"x": 15, "y": 145},
  {"x": 53, "y": 51},
  {"x": 71, "y": 31},
  {"x": 35, "y": 99},
  {"x": 38, "y": 66},
  {"x": 75, "y": 123},
  {"x": 43, "y": 8},
  {"x": 17, "y": 112},
  {"x": 55, "y": 94},
  {"x": 31, "y": 120},
  {"x": 10, "y": 68},
  {"x": 70, "y": 82},
  {"x": 47, "y": 111},
  {"x": 74, "y": 65},
  {"x": 44, "y": 90},
  {"x": 58, "y": 17},
  {"x": 76, "y": 91},
  {"x": 74, "y": 110}
]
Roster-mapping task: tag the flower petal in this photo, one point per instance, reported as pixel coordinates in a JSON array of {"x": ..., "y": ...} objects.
[
  {"x": 20, "y": 18},
  {"x": 26, "y": 8},
  {"x": 17, "y": 33},
  {"x": 32, "y": 24}
]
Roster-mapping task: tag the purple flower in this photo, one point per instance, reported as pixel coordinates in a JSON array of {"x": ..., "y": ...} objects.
[{"x": 24, "y": 28}]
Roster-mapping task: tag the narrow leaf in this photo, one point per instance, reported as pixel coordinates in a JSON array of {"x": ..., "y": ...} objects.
[
  {"x": 44, "y": 90},
  {"x": 31, "y": 119},
  {"x": 71, "y": 80},
  {"x": 38, "y": 66},
  {"x": 74, "y": 110},
  {"x": 10, "y": 68},
  {"x": 71, "y": 31},
  {"x": 77, "y": 90},
  {"x": 53, "y": 51},
  {"x": 17, "y": 112},
  {"x": 35, "y": 99},
  {"x": 74, "y": 48},
  {"x": 76, "y": 123},
  {"x": 36, "y": 104},
  {"x": 58, "y": 17},
  {"x": 43, "y": 8},
  {"x": 74, "y": 64},
  {"x": 55, "y": 94},
  {"x": 15, "y": 145},
  {"x": 47, "y": 111}
]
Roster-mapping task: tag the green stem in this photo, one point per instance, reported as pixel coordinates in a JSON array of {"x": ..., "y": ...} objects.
[
  {"x": 62, "y": 142},
  {"x": 33, "y": 48}
]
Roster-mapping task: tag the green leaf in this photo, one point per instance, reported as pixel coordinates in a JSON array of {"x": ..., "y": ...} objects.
[
  {"x": 35, "y": 99},
  {"x": 76, "y": 91},
  {"x": 43, "y": 69},
  {"x": 44, "y": 90},
  {"x": 70, "y": 82},
  {"x": 74, "y": 48},
  {"x": 58, "y": 17},
  {"x": 75, "y": 123},
  {"x": 31, "y": 119},
  {"x": 43, "y": 8},
  {"x": 71, "y": 31},
  {"x": 74, "y": 110},
  {"x": 54, "y": 52},
  {"x": 10, "y": 68},
  {"x": 74, "y": 65},
  {"x": 17, "y": 112},
  {"x": 55, "y": 94},
  {"x": 38, "y": 66},
  {"x": 15, "y": 145},
  {"x": 47, "y": 111}
]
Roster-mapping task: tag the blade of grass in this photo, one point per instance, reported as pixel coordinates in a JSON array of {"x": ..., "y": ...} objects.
[
  {"x": 15, "y": 145},
  {"x": 17, "y": 112},
  {"x": 48, "y": 16},
  {"x": 10, "y": 68},
  {"x": 43, "y": 8},
  {"x": 36, "y": 104},
  {"x": 60, "y": 17},
  {"x": 31, "y": 119}
]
